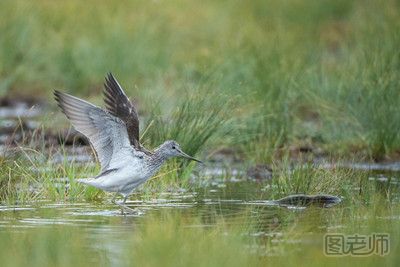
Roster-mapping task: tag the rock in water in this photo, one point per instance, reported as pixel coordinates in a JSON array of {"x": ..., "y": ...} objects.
[{"x": 302, "y": 200}]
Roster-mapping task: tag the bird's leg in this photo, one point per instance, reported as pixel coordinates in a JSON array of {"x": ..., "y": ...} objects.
[
  {"x": 116, "y": 203},
  {"x": 114, "y": 197},
  {"x": 124, "y": 207}
]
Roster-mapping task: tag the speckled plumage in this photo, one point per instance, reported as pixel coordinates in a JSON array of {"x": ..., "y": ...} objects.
[{"x": 114, "y": 134}]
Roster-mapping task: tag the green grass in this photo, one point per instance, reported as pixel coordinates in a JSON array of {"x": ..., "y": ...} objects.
[
  {"x": 297, "y": 71},
  {"x": 34, "y": 176},
  {"x": 194, "y": 121}
]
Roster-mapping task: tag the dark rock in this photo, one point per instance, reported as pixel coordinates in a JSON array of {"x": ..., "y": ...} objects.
[{"x": 302, "y": 200}]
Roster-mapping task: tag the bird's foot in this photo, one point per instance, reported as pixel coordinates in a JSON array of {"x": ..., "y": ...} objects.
[{"x": 126, "y": 210}]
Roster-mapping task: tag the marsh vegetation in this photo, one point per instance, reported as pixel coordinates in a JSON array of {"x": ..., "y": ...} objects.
[{"x": 278, "y": 97}]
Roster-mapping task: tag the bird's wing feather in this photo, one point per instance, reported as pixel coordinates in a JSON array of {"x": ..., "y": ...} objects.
[
  {"x": 119, "y": 105},
  {"x": 106, "y": 133}
]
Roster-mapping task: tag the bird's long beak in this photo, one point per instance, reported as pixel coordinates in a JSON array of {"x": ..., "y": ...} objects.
[{"x": 183, "y": 154}]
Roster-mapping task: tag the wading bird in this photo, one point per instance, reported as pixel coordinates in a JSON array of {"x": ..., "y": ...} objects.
[{"x": 114, "y": 134}]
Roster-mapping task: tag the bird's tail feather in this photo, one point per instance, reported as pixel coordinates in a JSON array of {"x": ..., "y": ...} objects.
[{"x": 85, "y": 181}]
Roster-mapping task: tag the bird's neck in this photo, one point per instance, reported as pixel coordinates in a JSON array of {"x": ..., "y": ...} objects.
[{"x": 157, "y": 160}]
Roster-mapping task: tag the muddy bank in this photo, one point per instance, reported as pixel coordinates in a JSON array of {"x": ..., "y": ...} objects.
[{"x": 20, "y": 126}]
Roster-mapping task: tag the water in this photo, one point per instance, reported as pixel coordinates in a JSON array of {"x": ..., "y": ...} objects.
[
  {"x": 230, "y": 201},
  {"x": 108, "y": 229},
  {"x": 210, "y": 202},
  {"x": 234, "y": 200},
  {"x": 213, "y": 197}
]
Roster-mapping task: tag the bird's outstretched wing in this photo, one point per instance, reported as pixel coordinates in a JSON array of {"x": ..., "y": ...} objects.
[
  {"x": 106, "y": 133},
  {"x": 118, "y": 104}
]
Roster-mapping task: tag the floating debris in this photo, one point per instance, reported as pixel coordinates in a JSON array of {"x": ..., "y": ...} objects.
[{"x": 302, "y": 200}]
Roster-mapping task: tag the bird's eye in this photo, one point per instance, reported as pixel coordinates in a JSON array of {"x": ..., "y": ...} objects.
[{"x": 173, "y": 147}]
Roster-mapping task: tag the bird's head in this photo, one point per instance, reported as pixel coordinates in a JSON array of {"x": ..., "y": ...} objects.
[{"x": 172, "y": 149}]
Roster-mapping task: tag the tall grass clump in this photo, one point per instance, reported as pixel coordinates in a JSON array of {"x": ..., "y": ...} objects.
[
  {"x": 352, "y": 186},
  {"x": 26, "y": 181},
  {"x": 33, "y": 170},
  {"x": 7, "y": 182},
  {"x": 375, "y": 94},
  {"x": 360, "y": 83},
  {"x": 195, "y": 121},
  {"x": 279, "y": 50}
]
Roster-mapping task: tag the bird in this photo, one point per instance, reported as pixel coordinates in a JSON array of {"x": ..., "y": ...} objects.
[{"x": 114, "y": 134}]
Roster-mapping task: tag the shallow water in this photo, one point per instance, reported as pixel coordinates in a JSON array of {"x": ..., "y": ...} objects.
[
  {"x": 235, "y": 201},
  {"x": 108, "y": 228},
  {"x": 224, "y": 197},
  {"x": 211, "y": 202}
]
